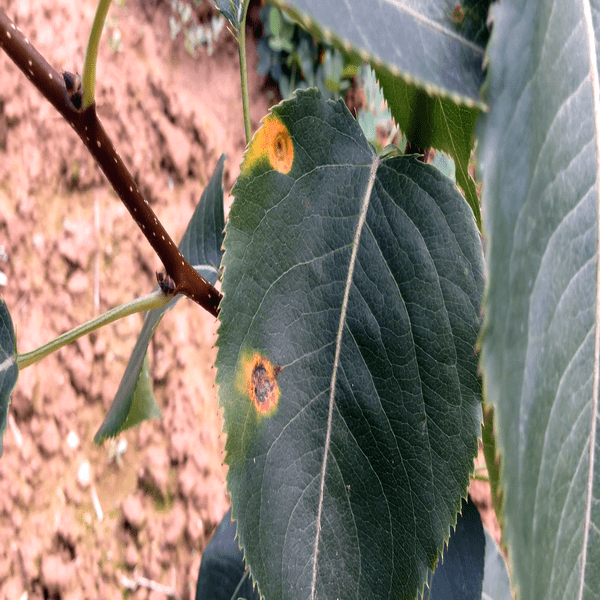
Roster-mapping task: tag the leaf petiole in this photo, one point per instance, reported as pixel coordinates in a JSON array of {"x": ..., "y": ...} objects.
[
  {"x": 241, "y": 39},
  {"x": 91, "y": 54},
  {"x": 156, "y": 299}
]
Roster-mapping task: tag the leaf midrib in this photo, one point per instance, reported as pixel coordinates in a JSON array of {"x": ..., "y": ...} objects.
[{"x": 338, "y": 345}]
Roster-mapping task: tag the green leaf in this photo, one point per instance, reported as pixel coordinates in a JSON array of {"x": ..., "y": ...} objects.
[
  {"x": 496, "y": 582},
  {"x": 9, "y": 372},
  {"x": 232, "y": 11},
  {"x": 438, "y": 53},
  {"x": 222, "y": 573},
  {"x": 458, "y": 574},
  {"x": 143, "y": 403},
  {"x": 540, "y": 345},
  {"x": 201, "y": 245},
  {"x": 435, "y": 123},
  {"x": 352, "y": 290}
]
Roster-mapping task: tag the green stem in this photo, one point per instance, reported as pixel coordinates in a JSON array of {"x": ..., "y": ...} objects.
[
  {"x": 156, "y": 299},
  {"x": 91, "y": 55},
  {"x": 244, "y": 72}
]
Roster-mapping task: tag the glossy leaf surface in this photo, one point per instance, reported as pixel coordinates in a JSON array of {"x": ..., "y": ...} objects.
[
  {"x": 346, "y": 365},
  {"x": 540, "y": 347},
  {"x": 9, "y": 372},
  {"x": 202, "y": 247}
]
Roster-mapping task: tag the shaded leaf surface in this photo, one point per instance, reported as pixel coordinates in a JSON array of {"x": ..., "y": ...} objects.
[
  {"x": 425, "y": 42},
  {"x": 222, "y": 571},
  {"x": 358, "y": 281},
  {"x": 201, "y": 246},
  {"x": 9, "y": 371},
  {"x": 435, "y": 123},
  {"x": 540, "y": 345},
  {"x": 458, "y": 574},
  {"x": 496, "y": 582}
]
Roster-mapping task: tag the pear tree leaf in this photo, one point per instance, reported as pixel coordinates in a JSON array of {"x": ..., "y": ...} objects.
[
  {"x": 346, "y": 366},
  {"x": 435, "y": 122},
  {"x": 232, "y": 10},
  {"x": 201, "y": 245},
  {"x": 496, "y": 582},
  {"x": 9, "y": 372},
  {"x": 431, "y": 80},
  {"x": 223, "y": 574},
  {"x": 442, "y": 49},
  {"x": 540, "y": 345},
  {"x": 459, "y": 571}
]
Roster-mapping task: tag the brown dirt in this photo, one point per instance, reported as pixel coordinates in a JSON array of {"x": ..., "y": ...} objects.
[{"x": 69, "y": 251}]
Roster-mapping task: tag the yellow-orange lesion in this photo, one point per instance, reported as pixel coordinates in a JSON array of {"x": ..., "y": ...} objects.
[
  {"x": 261, "y": 384},
  {"x": 274, "y": 142}
]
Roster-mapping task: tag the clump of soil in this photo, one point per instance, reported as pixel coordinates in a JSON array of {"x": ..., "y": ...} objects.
[{"x": 81, "y": 521}]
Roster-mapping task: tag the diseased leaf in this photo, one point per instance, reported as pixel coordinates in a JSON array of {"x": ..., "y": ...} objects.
[
  {"x": 540, "y": 345},
  {"x": 441, "y": 49},
  {"x": 9, "y": 372},
  {"x": 202, "y": 247},
  {"x": 458, "y": 574},
  {"x": 346, "y": 365}
]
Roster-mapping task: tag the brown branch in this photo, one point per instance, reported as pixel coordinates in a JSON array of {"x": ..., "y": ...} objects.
[{"x": 89, "y": 128}]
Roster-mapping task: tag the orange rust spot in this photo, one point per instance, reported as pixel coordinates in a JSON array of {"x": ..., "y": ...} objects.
[
  {"x": 273, "y": 141},
  {"x": 261, "y": 384}
]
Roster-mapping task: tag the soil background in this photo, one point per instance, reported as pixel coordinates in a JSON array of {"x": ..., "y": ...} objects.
[{"x": 69, "y": 251}]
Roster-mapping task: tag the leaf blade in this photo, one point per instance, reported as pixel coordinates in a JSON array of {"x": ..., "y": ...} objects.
[
  {"x": 540, "y": 343},
  {"x": 9, "y": 371},
  {"x": 438, "y": 54},
  {"x": 291, "y": 234},
  {"x": 435, "y": 123},
  {"x": 459, "y": 571}
]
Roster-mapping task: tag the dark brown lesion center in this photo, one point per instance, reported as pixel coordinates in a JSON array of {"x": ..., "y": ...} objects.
[
  {"x": 262, "y": 384},
  {"x": 280, "y": 146}
]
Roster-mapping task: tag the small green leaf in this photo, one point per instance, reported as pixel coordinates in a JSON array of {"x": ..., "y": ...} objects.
[
  {"x": 9, "y": 372},
  {"x": 231, "y": 10},
  {"x": 274, "y": 21},
  {"x": 202, "y": 247},
  {"x": 143, "y": 402},
  {"x": 346, "y": 365}
]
